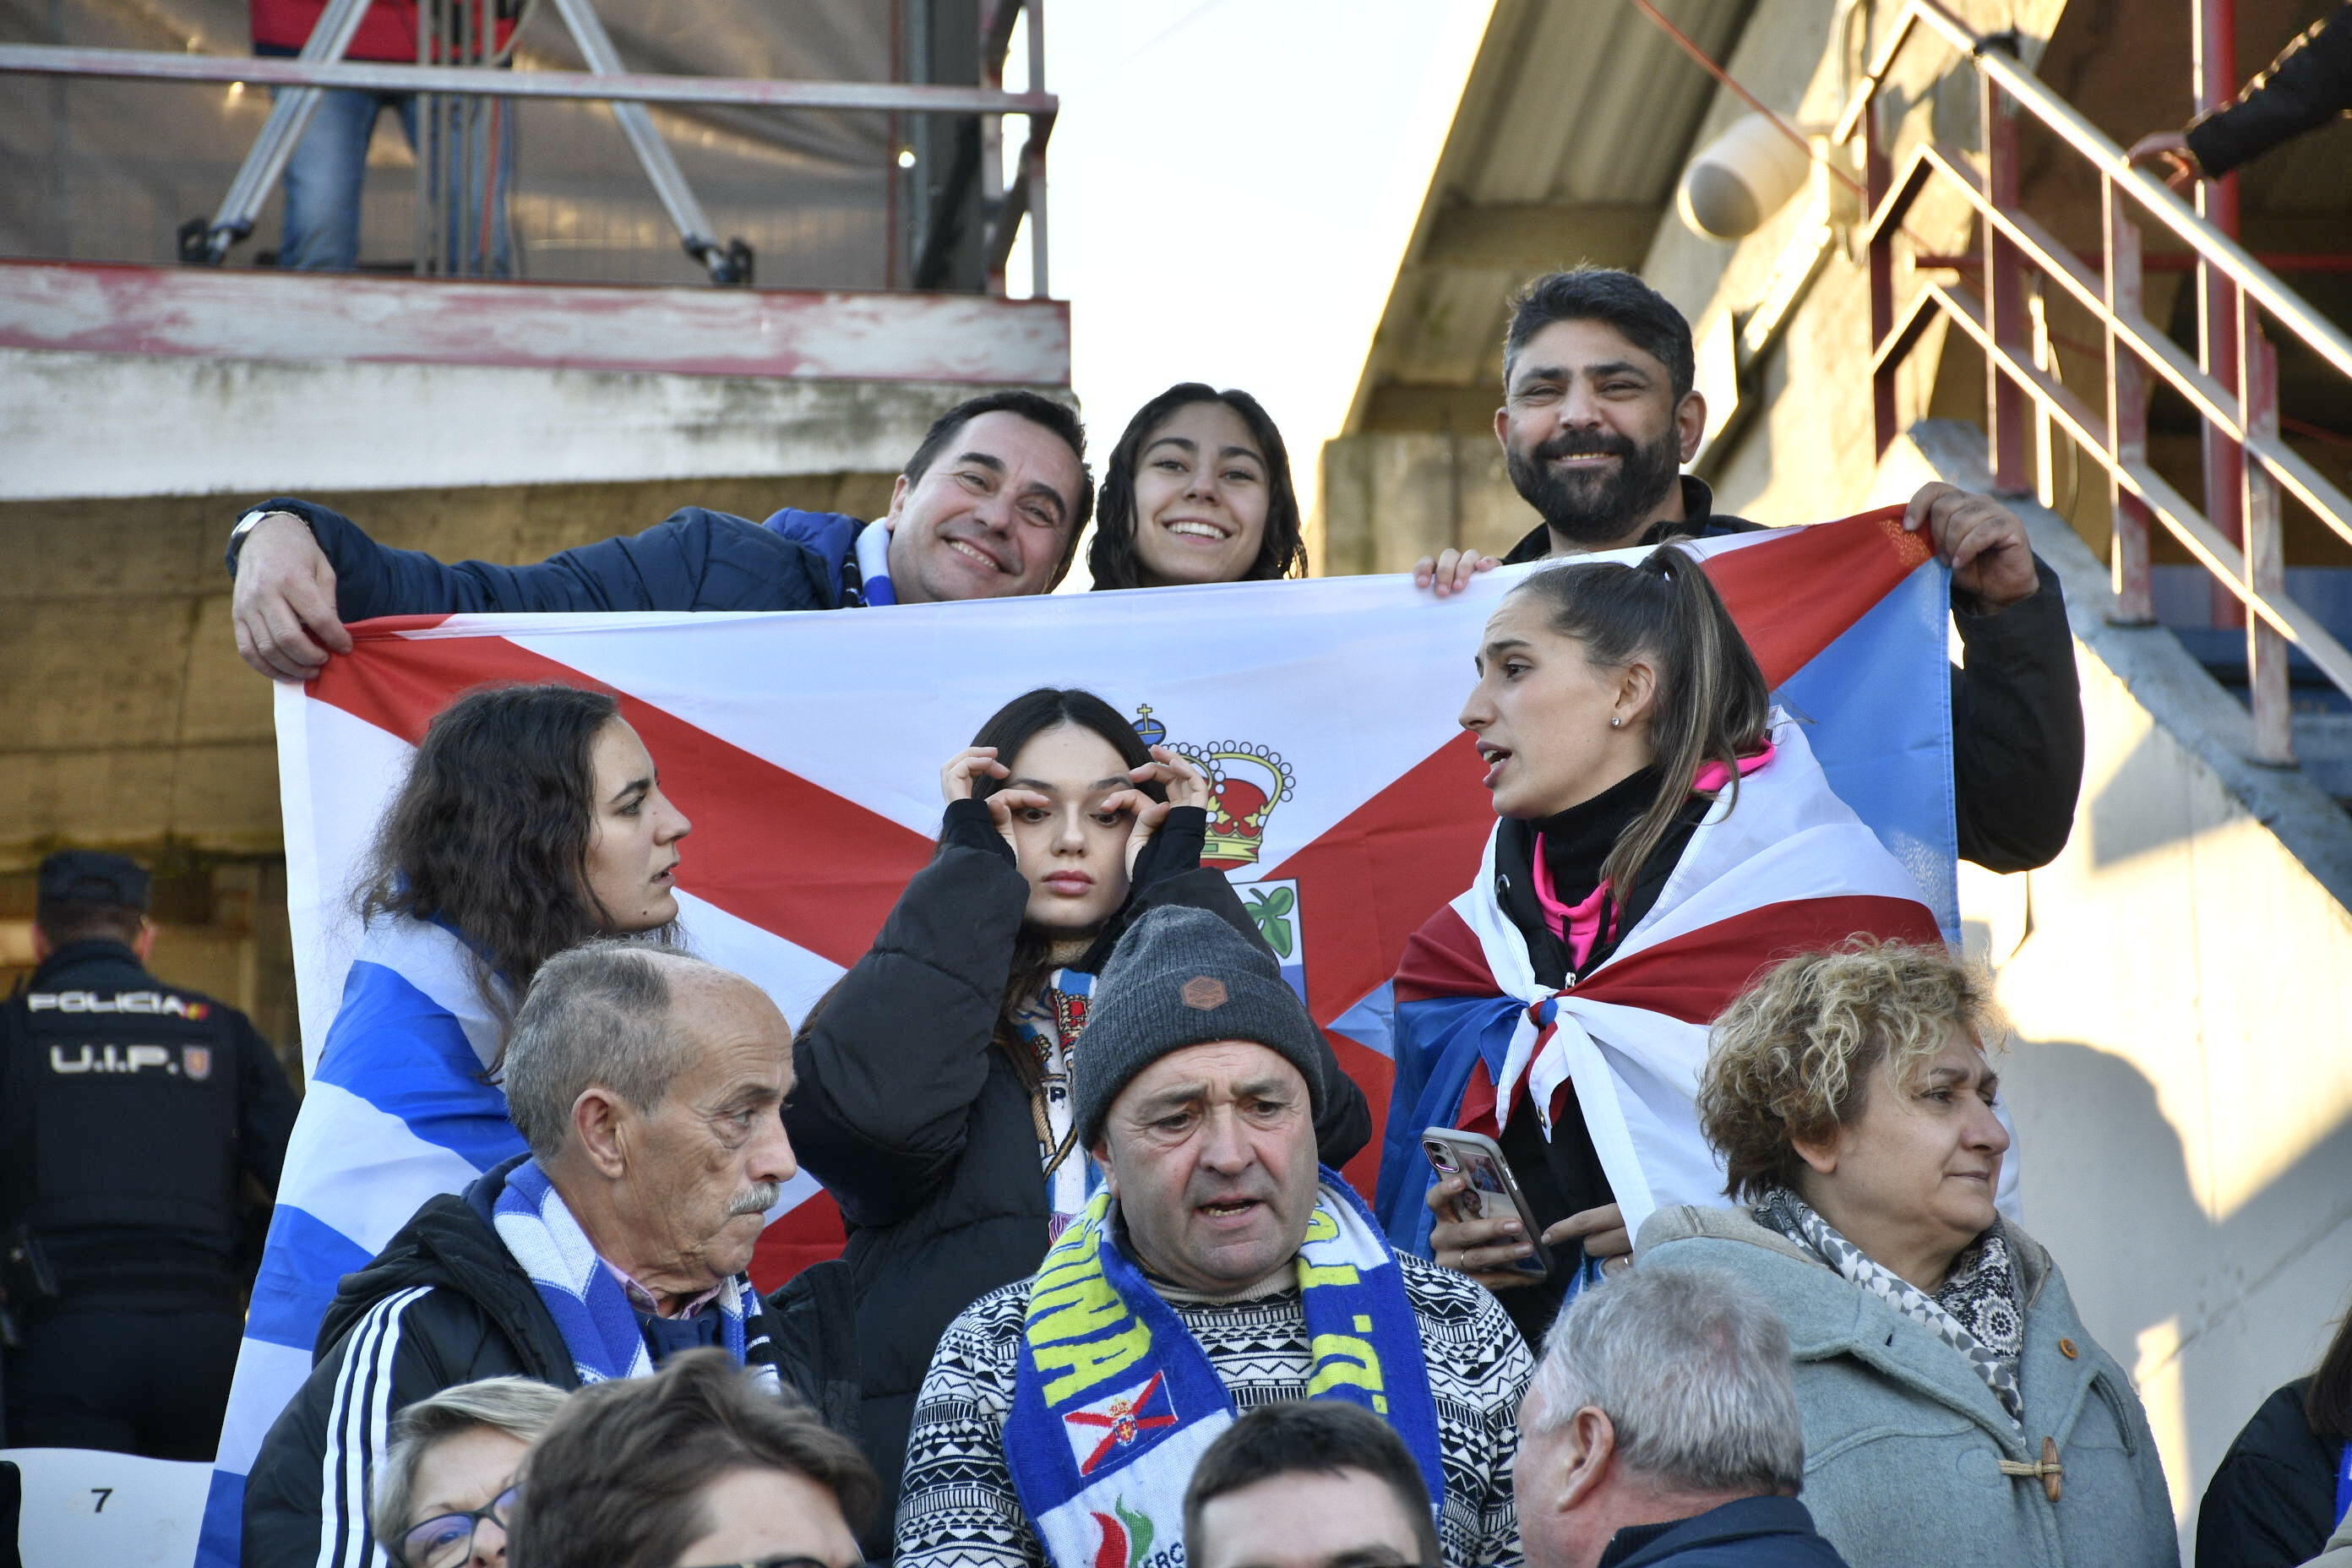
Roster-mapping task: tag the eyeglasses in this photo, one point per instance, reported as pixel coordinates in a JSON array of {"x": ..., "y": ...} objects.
[{"x": 447, "y": 1540}]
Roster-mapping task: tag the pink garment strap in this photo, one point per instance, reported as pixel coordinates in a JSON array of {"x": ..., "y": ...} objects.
[
  {"x": 1581, "y": 925},
  {"x": 1712, "y": 776},
  {"x": 1578, "y": 925}
]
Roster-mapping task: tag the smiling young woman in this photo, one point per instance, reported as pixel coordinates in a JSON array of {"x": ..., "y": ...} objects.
[
  {"x": 933, "y": 1098},
  {"x": 1197, "y": 491}
]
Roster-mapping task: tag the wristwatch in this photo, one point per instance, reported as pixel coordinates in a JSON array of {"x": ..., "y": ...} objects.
[{"x": 244, "y": 526}]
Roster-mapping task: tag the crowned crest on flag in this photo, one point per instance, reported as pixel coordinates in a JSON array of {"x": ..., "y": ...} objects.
[
  {"x": 1247, "y": 782},
  {"x": 1126, "y": 1421}
]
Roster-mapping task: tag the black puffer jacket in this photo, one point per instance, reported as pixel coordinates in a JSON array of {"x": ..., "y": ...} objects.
[
  {"x": 922, "y": 1132},
  {"x": 2017, "y": 705},
  {"x": 444, "y": 1303},
  {"x": 2271, "y": 1503}
]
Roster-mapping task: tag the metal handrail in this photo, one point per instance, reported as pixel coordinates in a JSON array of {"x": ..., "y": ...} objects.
[
  {"x": 2290, "y": 309},
  {"x": 2208, "y": 397},
  {"x": 2223, "y": 253},
  {"x": 2232, "y": 383},
  {"x": 2217, "y": 554}
]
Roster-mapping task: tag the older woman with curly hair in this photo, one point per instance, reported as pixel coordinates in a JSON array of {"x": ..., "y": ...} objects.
[{"x": 1956, "y": 1410}]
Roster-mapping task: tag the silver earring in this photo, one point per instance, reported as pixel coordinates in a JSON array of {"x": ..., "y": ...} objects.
[{"x": 1616, "y": 723}]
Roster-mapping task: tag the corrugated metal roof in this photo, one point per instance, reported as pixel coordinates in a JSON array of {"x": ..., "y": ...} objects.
[{"x": 1571, "y": 102}]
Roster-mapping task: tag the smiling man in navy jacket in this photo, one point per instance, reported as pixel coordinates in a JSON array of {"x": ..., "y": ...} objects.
[{"x": 991, "y": 505}]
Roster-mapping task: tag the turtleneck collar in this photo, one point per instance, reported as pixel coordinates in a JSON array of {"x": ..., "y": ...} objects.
[{"x": 1576, "y": 841}]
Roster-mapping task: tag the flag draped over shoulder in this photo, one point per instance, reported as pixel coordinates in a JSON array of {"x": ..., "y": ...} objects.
[
  {"x": 397, "y": 1107},
  {"x": 1781, "y": 867},
  {"x": 805, "y": 749}
]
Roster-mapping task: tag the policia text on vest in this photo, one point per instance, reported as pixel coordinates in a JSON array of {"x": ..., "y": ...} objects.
[{"x": 131, "y": 1111}]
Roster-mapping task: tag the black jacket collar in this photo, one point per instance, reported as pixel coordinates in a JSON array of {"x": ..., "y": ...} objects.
[{"x": 97, "y": 951}]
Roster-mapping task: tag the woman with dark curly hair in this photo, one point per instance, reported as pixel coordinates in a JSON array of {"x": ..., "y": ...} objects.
[
  {"x": 1197, "y": 491},
  {"x": 1957, "y": 1411},
  {"x": 531, "y": 820}
]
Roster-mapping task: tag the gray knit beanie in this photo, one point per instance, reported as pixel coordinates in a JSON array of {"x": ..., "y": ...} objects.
[{"x": 1184, "y": 977}]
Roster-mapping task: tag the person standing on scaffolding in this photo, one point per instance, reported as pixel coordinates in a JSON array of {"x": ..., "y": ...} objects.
[{"x": 468, "y": 144}]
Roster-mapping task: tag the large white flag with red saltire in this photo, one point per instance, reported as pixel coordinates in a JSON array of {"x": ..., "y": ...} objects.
[{"x": 806, "y": 748}]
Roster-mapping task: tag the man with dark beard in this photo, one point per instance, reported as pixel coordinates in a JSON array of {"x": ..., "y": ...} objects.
[{"x": 1599, "y": 415}]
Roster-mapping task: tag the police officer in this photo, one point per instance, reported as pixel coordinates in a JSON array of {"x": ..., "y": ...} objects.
[{"x": 127, "y": 1109}]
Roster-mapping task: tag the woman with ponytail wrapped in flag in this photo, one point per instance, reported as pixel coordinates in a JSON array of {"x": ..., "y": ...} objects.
[
  {"x": 532, "y": 819},
  {"x": 1664, "y": 832},
  {"x": 933, "y": 1097}
]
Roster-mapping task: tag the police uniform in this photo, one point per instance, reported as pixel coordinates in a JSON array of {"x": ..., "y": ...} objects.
[{"x": 127, "y": 1110}]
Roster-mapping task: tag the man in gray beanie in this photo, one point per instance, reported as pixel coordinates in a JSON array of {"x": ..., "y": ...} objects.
[
  {"x": 1217, "y": 1268},
  {"x": 1184, "y": 977}
]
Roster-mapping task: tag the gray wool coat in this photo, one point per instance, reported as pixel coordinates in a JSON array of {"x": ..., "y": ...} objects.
[{"x": 1904, "y": 1442}]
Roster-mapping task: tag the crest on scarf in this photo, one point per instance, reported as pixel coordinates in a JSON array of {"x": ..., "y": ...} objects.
[
  {"x": 1126, "y": 1537},
  {"x": 1247, "y": 782},
  {"x": 1120, "y": 1425},
  {"x": 1069, "y": 1011}
]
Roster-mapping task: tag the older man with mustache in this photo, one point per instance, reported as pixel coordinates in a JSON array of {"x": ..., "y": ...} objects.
[{"x": 648, "y": 1085}]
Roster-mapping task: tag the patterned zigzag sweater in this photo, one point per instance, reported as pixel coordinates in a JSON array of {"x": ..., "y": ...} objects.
[{"x": 958, "y": 1508}]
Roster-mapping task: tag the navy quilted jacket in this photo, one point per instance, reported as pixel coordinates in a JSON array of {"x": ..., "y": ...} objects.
[{"x": 694, "y": 559}]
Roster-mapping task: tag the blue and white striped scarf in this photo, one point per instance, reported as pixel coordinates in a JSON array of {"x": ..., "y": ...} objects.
[
  {"x": 590, "y": 1310},
  {"x": 871, "y": 551}
]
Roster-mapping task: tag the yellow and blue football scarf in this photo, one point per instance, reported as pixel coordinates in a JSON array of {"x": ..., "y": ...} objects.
[{"x": 1114, "y": 1400}]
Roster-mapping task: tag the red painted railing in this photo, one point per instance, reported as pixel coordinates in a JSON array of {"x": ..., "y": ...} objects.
[{"x": 2232, "y": 383}]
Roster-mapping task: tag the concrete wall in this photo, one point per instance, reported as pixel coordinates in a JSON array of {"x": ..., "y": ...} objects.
[
  {"x": 133, "y": 726},
  {"x": 1409, "y": 495},
  {"x": 82, "y": 424},
  {"x": 2179, "y": 980}
]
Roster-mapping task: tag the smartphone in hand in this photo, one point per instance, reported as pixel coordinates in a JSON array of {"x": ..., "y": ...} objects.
[{"x": 1492, "y": 1194}]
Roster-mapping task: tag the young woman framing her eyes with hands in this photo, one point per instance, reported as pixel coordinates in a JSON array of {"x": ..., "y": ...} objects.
[{"x": 931, "y": 1096}]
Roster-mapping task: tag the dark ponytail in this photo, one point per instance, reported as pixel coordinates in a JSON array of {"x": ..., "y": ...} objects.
[{"x": 1710, "y": 703}]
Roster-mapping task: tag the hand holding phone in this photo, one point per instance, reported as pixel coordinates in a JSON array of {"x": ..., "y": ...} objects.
[{"x": 1479, "y": 1202}]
